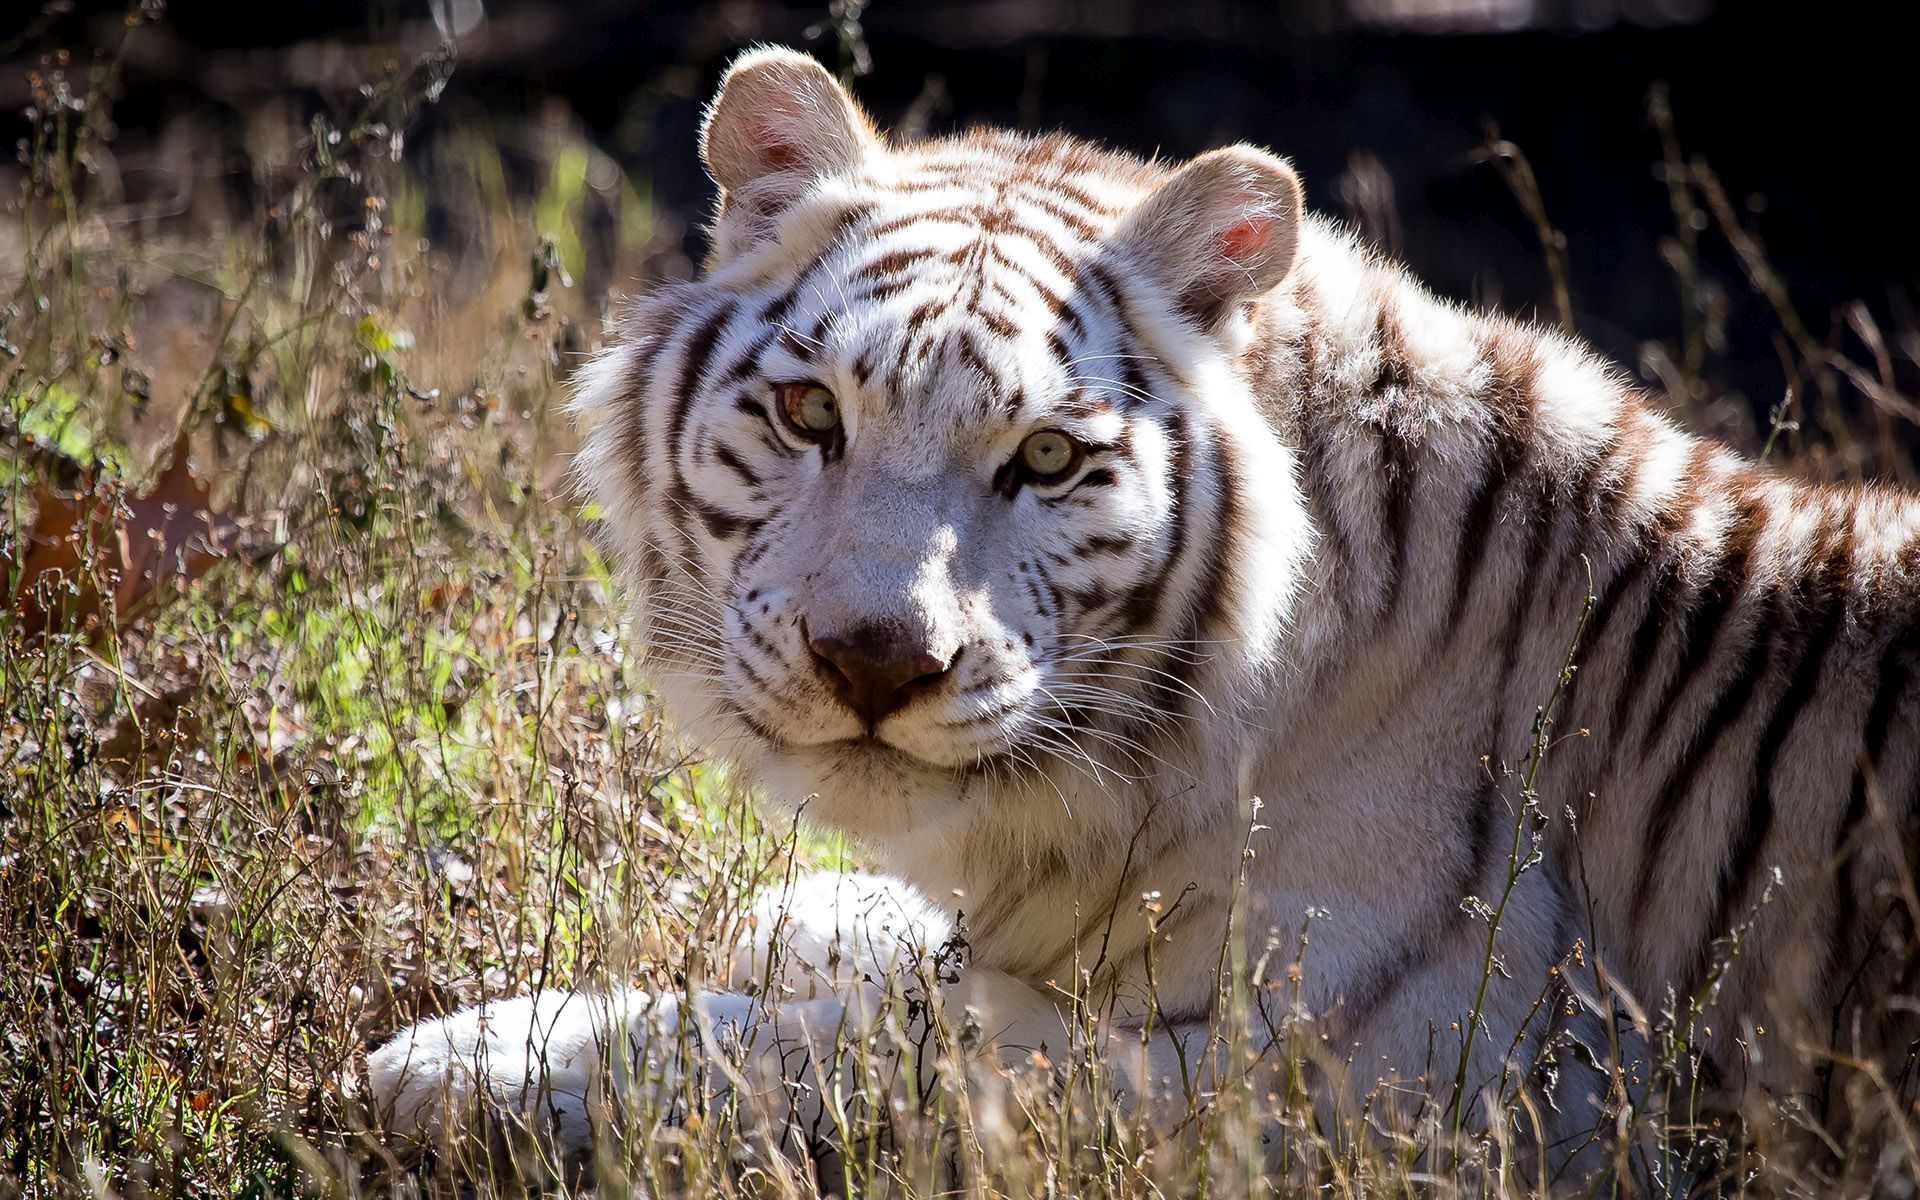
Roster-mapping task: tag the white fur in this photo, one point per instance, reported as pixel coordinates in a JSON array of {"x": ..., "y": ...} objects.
[{"x": 1339, "y": 745}]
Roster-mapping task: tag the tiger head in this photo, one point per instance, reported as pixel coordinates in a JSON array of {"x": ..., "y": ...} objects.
[{"x": 944, "y": 480}]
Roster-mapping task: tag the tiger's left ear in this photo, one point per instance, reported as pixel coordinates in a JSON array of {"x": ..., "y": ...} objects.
[
  {"x": 1223, "y": 229},
  {"x": 778, "y": 123}
]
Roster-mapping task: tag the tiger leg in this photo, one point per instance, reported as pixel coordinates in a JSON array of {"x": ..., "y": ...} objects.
[{"x": 563, "y": 1064}]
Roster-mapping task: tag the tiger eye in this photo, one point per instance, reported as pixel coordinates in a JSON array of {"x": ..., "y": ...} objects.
[
  {"x": 809, "y": 408},
  {"x": 1049, "y": 453}
]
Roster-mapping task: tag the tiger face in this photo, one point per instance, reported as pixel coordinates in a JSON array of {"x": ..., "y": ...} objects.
[
  {"x": 943, "y": 476},
  {"x": 927, "y": 545}
]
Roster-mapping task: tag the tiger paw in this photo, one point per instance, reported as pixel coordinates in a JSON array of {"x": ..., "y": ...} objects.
[{"x": 539, "y": 1061}]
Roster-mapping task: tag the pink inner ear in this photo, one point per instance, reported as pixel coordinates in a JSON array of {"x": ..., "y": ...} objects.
[
  {"x": 775, "y": 151},
  {"x": 1242, "y": 241},
  {"x": 778, "y": 156}
]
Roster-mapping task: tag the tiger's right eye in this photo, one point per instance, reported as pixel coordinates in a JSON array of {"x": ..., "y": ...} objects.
[{"x": 809, "y": 410}]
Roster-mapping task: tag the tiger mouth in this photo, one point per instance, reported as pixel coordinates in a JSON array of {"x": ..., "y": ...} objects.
[{"x": 873, "y": 748}]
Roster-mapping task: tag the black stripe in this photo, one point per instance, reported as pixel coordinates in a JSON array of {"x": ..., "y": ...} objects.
[
  {"x": 1056, "y": 601},
  {"x": 776, "y": 311},
  {"x": 874, "y": 293},
  {"x": 1600, "y": 618},
  {"x": 1088, "y": 598},
  {"x": 720, "y": 523},
  {"x": 1710, "y": 610},
  {"x": 755, "y": 550},
  {"x": 1138, "y": 386},
  {"x": 636, "y": 404},
  {"x": 1323, "y": 496},
  {"x": 1078, "y": 223},
  {"x": 653, "y": 563},
  {"x": 1638, "y": 665},
  {"x": 971, "y": 358},
  {"x": 1532, "y": 571},
  {"x": 1483, "y": 846},
  {"x": 843, "y": 225},
  {"x": 1069, "y": 318},
  {"x": 1210, "y": 596},
  {"x": 1509, "y": 451},
  {"x": 1725, "y": 713},
  {"x": 725, "y": 456},
  {"x": 1826, "y": 607},
  {"x": 940, "y": 216},
  {"x": 1098, "y": 477},
  {"x": 1046, "y": 597},
  {"x": 693, "y": 363},
  {"x": 1059, "y": 259},
  {"x": 1390, "y": 972},
  {"x": 1098, "y": 282},
  {"x": 1103, "y": 544},
  {"x": 748, "y": 364},
  {"x": 765, "y": 647},
  {"x": 1094, "y": 205},
  {"x": 747, "y": 719},
  {"x": 1663, "y": 595},
  {"x": 1894, "y": 678},
  {"x": 1140, "y": 607},
  {"x": 923, "y": 312},
  {"x": 1618, "y": 587},
  {"x": 1396, "y": 512},
  {"x": 796, "y": 346}
]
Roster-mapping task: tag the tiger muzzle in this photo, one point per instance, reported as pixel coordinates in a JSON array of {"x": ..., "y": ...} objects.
[{"x": 878, "y": 669}]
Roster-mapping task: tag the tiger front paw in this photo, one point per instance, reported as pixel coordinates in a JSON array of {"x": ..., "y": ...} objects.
[{"x": 540, "y": 1061}]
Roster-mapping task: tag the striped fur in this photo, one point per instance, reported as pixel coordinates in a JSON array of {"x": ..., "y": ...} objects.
[{"x": 1332, "y": 546}]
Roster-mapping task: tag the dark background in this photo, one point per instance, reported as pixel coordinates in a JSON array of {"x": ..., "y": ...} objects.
[{"x": 1806, "y": 113}]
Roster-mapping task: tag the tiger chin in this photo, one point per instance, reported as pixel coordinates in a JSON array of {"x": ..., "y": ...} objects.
[{"x": 1069, "y": 529}]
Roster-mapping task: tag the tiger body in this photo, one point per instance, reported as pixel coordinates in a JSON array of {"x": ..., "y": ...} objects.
[{"x": 1274, "y": 654}]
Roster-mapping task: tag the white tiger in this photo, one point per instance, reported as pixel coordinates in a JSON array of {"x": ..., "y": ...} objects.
[{"x": 1027, "y": 511}]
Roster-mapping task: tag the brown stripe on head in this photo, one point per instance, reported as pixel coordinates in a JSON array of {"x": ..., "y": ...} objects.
[
  {"x": 998, "y": 323},
  {"x": 892, "y": 263}
]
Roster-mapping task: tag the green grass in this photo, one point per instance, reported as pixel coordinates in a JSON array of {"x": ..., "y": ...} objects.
[{"x": 388, "y": 754}]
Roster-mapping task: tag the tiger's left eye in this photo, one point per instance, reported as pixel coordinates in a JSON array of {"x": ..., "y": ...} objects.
[
  {"x": 1049, "y": 455},
  {"x": 809, "y": 410}
]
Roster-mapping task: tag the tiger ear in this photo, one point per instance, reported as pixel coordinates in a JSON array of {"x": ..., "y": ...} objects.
[
  {"x": 1223, "y": 229},
  {"x": 778, "y": 123}
]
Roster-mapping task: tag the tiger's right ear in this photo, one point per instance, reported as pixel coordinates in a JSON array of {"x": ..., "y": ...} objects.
[
  {"x": 779, "y": 123},
  {"x": 1222, "y": 229}
]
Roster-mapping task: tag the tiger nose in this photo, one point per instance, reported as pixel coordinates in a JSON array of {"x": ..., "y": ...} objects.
[{"x": 876, "y": 670}]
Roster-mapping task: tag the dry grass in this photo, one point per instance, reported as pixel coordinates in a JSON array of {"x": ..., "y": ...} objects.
[{"x": 386, "y": 754}]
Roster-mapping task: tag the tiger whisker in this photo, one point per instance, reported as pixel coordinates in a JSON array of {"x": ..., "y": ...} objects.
[{"x": 1127, "y": 746}]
